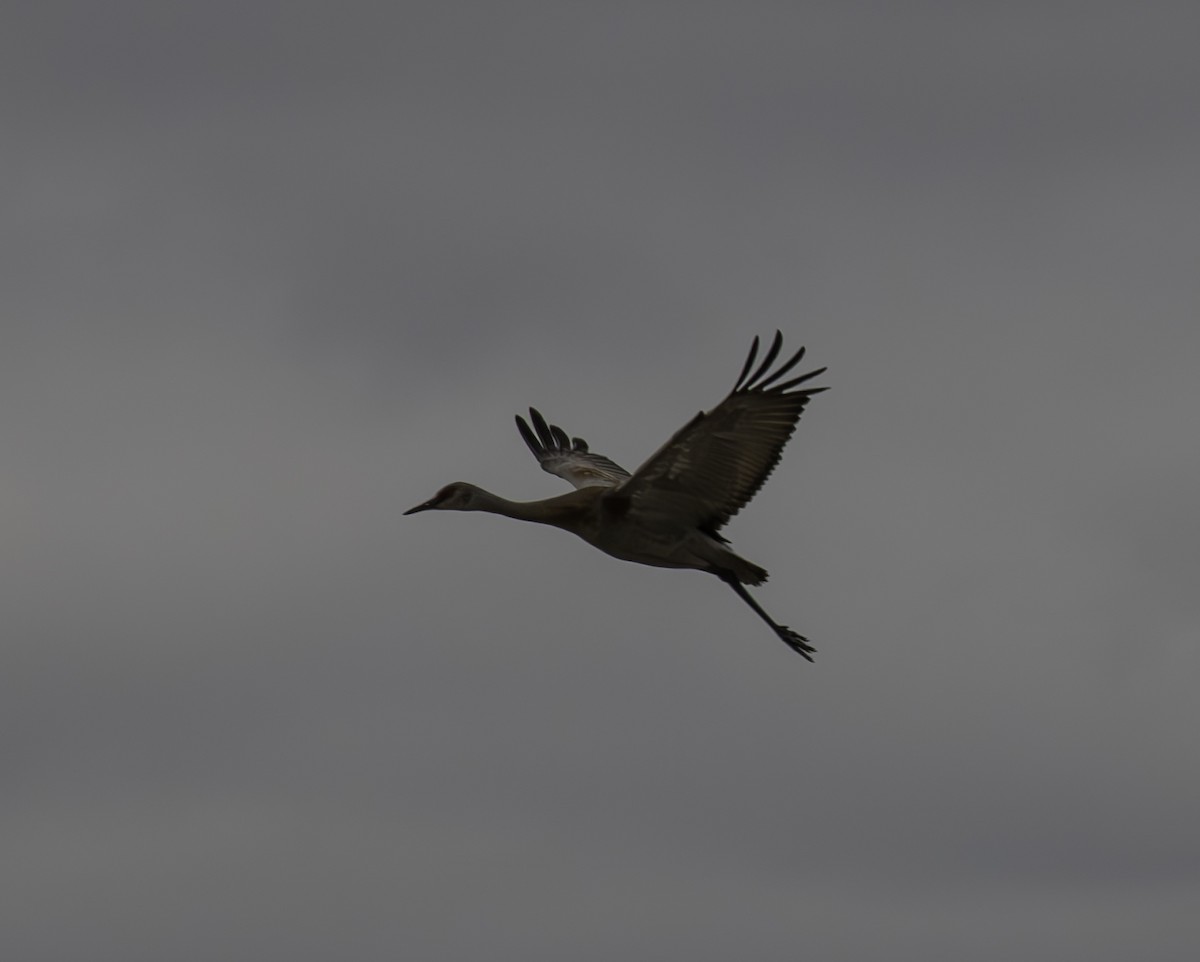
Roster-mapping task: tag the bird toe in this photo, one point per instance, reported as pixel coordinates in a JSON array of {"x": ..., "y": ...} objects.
[{"x": 797, "y": 642}]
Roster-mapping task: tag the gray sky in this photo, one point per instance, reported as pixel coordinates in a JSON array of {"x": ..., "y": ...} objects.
[{"x": 274, "y": 273}]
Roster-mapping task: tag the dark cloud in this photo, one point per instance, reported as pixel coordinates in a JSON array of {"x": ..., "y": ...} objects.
[{"x": 278, "y": 272}]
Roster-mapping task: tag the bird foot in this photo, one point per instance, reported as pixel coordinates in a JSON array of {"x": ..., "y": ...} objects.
[{"x": 797, "y": 642}]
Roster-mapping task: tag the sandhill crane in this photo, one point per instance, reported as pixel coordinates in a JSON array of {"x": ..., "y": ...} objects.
[{"x": 669, "y": 511}]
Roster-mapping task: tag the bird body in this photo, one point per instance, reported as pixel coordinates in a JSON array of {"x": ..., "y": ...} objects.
[
  {"x": 669, "y": 512},
  {"x": 591, "y": 514}
]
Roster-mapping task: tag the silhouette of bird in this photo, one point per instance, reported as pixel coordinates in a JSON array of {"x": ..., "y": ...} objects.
[{"x": 670, "y": 511}]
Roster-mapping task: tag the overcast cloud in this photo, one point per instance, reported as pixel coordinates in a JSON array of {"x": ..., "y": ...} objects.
[{"x": 275, "y": 272}]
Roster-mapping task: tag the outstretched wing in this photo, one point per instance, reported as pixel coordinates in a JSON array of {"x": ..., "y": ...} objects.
[
  {"x": 569, "y": 458},
  {"x": 717, "y": 462}
]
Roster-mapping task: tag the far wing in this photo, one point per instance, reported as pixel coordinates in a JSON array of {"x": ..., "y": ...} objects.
[
  {"x": 567, "y": 457},
  {"x": 716, "y": 463}
]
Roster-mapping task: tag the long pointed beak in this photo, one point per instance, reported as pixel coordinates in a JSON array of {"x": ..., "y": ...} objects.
[{"x": 423, "y": 506}]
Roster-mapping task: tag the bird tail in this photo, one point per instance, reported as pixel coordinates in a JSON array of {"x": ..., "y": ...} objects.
[
  {"x": 716, "y": 556},
  {"x": 747, "y": 572},
  {"x": 720, "y": 560}
]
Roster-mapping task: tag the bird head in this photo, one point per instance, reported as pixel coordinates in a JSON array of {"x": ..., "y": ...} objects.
[{"x": 458, "y": 496}]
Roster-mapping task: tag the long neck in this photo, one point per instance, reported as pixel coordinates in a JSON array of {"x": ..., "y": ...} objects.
[{"x": 560, "y": 511}]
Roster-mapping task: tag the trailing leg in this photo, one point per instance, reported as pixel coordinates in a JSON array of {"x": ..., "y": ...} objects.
[{"x": 797, "y": 642}]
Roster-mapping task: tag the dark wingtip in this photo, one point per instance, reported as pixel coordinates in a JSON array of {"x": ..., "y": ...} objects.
[
  {"x": 749, "y": 361},
  {"x": 530, "y": 439},
  {"x": 787, "y": 386},
  {"x": 542, "y": 428},
  {"x": 560, "y": 438},
  {"x": 764, "y": 379},
  {"x": 772, "y": 353},
  {"x": 783, "y": 369}
]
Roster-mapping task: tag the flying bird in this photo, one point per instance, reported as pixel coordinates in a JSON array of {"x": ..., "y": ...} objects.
[{"x": 670, "y": 511}]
